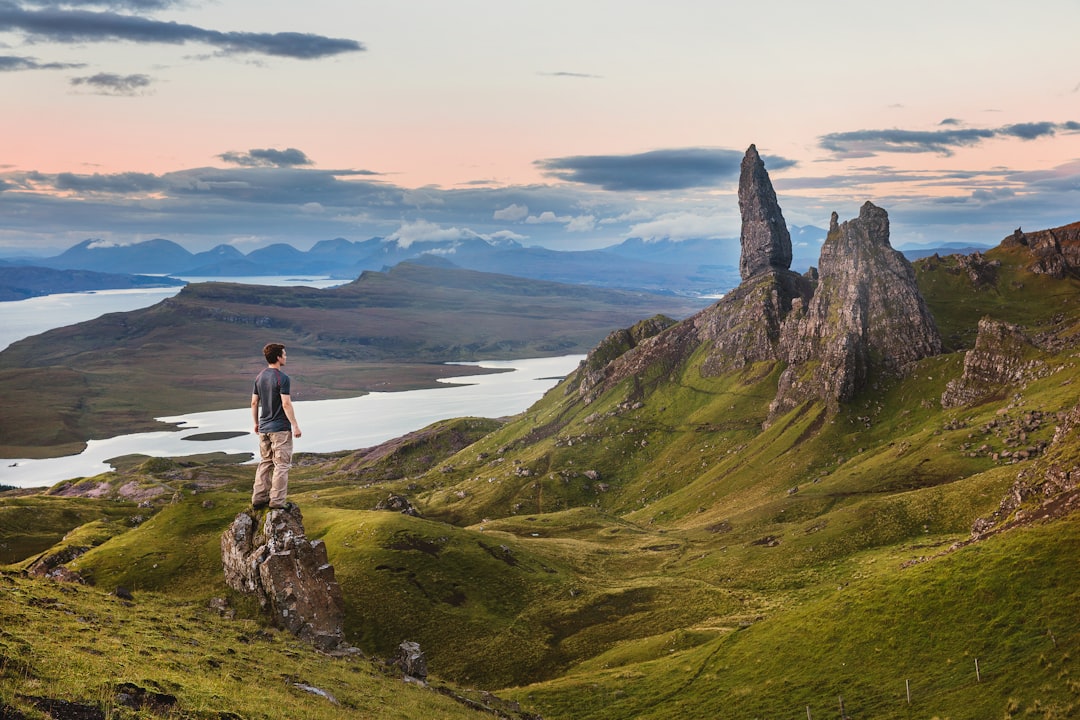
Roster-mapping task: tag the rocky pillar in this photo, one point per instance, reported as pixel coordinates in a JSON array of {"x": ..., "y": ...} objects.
[
  {"x": 289, "y": 574},
  {"x": 766, "y": 242}
]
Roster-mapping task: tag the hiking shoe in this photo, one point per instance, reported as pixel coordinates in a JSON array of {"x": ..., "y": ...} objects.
[
  {"x": 259, "y": 505},
  {"x": 286, "y": 506}
]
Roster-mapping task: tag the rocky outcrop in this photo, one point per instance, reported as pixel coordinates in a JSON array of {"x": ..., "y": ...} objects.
[
  {"x": 1055, "y": 252},
  {"x": 611, "y": 360},
  {"x": 866, "y": 316},
  {"x": 745, "y": 326},
  {"x": 765, "y": 239},
  {"x": 1050, "y": 489},
  {"x": 1000, "y": 359},
  {"x": 289, "y": 574},
  {"x": 859, "y": 314}
]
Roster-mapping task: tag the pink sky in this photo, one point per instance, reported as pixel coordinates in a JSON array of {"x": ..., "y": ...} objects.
[{"x": 977, "y": 103}]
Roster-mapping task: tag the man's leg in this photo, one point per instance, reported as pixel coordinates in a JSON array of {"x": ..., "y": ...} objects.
[
  {"x": 282, "y": 450},
  {"x": 260, "y": 494}
]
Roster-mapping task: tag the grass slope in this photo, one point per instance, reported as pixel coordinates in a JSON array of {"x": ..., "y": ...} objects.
[{"x": 659, "y": 553}]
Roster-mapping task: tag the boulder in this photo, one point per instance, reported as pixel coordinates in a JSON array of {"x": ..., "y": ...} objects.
[
  {"x": 289, "y": 574},
  {"x": 410, "y": 659}
]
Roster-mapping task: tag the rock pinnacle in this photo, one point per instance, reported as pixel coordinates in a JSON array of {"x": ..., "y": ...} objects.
[{"x": 766, "y": 242}]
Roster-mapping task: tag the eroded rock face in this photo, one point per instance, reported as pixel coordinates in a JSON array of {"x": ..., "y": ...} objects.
[
  {"x": 289, "y": 574},
  {"x": 1000, "y": 359},
  {"x": 866, "y": 315},
  {"x": 745, "y": 326},
  {"x": 1055, "y": 252},
  {"x": 766, "y": 241}
]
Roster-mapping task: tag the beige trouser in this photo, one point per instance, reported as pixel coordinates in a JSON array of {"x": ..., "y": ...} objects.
[{"x": 272, "y": 474}]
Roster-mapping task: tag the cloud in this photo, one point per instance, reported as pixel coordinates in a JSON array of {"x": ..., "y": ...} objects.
[
  {"x": 122, "y": 183},
  {"x": 546, "y": 217},
  {"x": 512, "y": 213},
  {"x": 114, "y": 4},
  {"x": 949, "y": 121},
  {"x": 506, "y": 237},
  {"x": 685, "y": 226},
  {"x": 868, "y": 143},
  {"x": 581, "y": 223},
  {"x": 586, "y": 76},
  {"x": 113, "y": 84},
  {"x": 423, "y": 230},
  {"x": 267, "y": 157},
  {"x": 79, "y": 26},
  {"x": 676, "y": 169},
  {"x": 12, "y": 63}
]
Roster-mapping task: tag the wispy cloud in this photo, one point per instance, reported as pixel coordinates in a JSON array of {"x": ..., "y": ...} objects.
[
  {"x": 267, "y": 157},
  {"x": 676, "y": 169},
  {"x": 113, "y": 84},
  {"x": 64, "y": 25},
  {"x": 13, "y": 63},
  {"x": 868, "y": 143},
  {"x": 112, "y": 4},
  {"x": 583, "y": 76}
]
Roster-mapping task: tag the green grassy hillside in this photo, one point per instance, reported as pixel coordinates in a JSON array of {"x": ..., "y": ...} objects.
[{"x": 659, "y": 552}]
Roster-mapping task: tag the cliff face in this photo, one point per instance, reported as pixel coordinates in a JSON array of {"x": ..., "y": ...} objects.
[
  {"x": 866, "y": 315},
  {"x": 1055, "y": 252},
  {"x": 998, "y": 361}
]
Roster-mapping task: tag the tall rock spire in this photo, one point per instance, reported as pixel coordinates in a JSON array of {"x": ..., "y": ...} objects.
[{"x": 766, "y": 242}]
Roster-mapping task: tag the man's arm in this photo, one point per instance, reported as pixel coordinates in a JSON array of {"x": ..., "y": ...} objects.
[
  {"x": 255, "y": 411},
  {"x": 286, "y": 405}
]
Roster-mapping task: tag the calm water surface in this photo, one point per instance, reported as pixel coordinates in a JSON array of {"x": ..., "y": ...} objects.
[{"x": 328, "y": 425}]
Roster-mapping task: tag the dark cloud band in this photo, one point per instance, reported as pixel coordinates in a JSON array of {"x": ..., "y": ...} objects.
[
  {"x": 113, "y": 84},
  {"x": 868, "y": 143},
  {"x": 267, "y": 157},
  {"x": 14, "y": 63},
  {"x": 677, "y": 169},
  {"x": 73, "y": 26}
]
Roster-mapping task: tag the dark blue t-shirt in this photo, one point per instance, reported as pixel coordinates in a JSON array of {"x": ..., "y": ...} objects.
[{"x": 270, "y": 385}]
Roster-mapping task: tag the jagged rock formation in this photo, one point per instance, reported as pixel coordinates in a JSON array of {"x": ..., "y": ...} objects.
[
  {"x": 867, "y": 315},
  {"x": 1056, "y": 251},
  {"x": 1000, "y": 359},
  {"x": 745, "y": 326},
  {"x": 289, "y": 573},
  {"x": 859, "y": 314},
  {"x": 766, "y": 241},
  {"x": 604, "y": 365}
]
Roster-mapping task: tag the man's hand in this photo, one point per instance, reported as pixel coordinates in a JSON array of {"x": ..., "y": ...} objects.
[
  {"x": 256, "y": 428},
  {"x": 296, "y": 431}
]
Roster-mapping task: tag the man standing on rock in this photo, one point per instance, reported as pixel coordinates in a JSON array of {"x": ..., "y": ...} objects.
[{"x": 275, "y": 424}]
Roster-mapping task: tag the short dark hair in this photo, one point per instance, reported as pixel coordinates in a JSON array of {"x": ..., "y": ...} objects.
[{"x": 273, "y": 351}]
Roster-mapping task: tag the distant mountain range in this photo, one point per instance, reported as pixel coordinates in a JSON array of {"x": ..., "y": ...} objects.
[{"x": 685, "y": 267}]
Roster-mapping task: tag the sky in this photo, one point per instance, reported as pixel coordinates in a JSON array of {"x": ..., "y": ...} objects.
[{"x": 566, "y": 124}]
